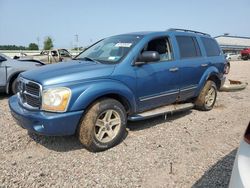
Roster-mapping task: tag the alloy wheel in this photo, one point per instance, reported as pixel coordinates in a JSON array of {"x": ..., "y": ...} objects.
[{"x": 107, "y": 126}]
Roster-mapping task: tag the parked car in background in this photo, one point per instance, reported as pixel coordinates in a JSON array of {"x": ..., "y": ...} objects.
[
  {"x": 240, "y": 177},
  {"x": 232, "y": 56},
  {"x": 125, "y": 77},
  {"x": 245, "y": 54},
  {"x": 10, "y": 69},
  {"x": 49, "y": 56}
]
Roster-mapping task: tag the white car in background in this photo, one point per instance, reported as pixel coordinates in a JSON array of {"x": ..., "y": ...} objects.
[
  {"x": 233, "y": 56},
  {"x": 10, "y": 69},
  {"x": 241, "y": 171}
]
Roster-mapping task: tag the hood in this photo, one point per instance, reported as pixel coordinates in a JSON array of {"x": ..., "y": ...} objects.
[
  {"x": 69, "y": 71},
  {"x": 21, "y": 64}
]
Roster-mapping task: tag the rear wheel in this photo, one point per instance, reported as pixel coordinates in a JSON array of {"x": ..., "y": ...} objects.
[
  {"x": 207, "y": 97},
  {"x": 103, "y": 126}
]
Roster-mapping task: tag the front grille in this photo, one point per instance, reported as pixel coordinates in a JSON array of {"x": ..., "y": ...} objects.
[
  {"x": 33, "y": 88},
  {"x": 29, "y": 93},
  {"x": 32, "y": 101}
]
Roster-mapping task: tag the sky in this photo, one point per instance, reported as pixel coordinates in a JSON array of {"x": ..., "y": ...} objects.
[{"x": 26, "y": 21}]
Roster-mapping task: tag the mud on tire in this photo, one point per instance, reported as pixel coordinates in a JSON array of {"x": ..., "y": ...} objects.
[
  {"x": 207, "y": 97},
  {"x": 103, "y": 125}
]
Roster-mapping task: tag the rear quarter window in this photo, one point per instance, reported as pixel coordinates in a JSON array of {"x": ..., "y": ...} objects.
[
  {"x": 211, "y": 47},
  {"x": 188, "y": 46}
]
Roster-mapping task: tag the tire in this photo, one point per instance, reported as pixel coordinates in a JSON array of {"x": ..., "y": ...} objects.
[
  {"x": 96, "y": 130},
  {"x": 14, "y": 86},
  {"x": 207, "y": 97},
  {"x": 234, "y": 87}
]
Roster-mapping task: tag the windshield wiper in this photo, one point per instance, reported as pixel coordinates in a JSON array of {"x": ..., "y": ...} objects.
[{"x": 89, "y": 59}]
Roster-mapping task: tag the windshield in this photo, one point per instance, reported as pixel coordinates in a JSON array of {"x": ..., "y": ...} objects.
[{"x": 110, "y": 50}]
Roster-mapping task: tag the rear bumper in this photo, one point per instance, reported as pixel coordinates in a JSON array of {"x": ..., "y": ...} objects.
[
  {"x": 45, "y": 123},
  {"x": 241, "y": 170}
]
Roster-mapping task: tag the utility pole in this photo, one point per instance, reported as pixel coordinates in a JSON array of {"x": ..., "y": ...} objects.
[
  {"x": 77, "y": 47},
  {"x": 38, "y": 42}
]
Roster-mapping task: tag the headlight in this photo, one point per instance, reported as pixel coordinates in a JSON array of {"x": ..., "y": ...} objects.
[{"x": 56, "y": 100}]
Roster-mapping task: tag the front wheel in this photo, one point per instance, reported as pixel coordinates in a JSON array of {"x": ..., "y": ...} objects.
[
  {"x": 207, "y": 97},
  {"x": 103, "y": 126},
  {"x": 14, "y": 87}
]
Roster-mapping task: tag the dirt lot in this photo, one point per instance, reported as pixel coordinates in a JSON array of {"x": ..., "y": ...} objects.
[{"x": 190, "y": 149}]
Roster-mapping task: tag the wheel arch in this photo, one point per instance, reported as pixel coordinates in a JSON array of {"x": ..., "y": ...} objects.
[
  {"x": 112, "y": 89},
  {"x": 117, "y": 97},
  {"x": 215, "y": 79},
  {"x": 212, "y": 74},
  {"x": 10, "y": 80}
]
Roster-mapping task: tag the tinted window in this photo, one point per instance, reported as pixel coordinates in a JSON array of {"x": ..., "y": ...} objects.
[
  {"x": 188, "y": 46},
  {"x": 211, "y": 47}
]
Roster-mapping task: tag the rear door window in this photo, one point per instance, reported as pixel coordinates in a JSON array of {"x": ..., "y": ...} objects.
[
  {"x": 211, "y": 47},
  {"x": 188, "y": 47}
]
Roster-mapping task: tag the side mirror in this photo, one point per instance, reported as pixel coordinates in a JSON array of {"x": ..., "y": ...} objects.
[
  {"x": 2, "y": 59},
  {"x": 147, "y": 56}
]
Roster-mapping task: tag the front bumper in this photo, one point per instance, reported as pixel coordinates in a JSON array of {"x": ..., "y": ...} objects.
[
  {"x": 241, "y": 170},
  {"x": 45, "y": 123}
]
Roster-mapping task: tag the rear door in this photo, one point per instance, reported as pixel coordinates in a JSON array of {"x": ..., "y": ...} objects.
[{"x": 192, "y": 65}]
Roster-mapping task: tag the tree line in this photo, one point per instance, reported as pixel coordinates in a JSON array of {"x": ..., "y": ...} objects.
[{"x": 47, "y": 45}]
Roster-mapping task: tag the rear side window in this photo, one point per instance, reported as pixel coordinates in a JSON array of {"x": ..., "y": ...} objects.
[
  {"x": 188, "y": 46},
  {"x": 211, "y": 47}
]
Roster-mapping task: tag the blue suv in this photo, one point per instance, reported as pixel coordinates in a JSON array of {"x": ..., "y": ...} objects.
[{"x": 125, "y": 77}]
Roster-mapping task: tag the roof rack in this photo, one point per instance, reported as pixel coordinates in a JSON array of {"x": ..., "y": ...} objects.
[{"x": 186, "y": 30}]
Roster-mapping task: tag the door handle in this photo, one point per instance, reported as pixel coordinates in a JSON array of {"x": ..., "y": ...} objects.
[
  {"x": 204, "y": 65},
  {"x": 174, "y": 69}
]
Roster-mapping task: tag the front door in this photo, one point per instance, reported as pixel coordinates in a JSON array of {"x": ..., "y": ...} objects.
[{"x": 157, "y": 82}]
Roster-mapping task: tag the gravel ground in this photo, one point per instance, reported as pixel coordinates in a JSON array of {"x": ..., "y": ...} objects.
[{"x": 190, "y": 149}]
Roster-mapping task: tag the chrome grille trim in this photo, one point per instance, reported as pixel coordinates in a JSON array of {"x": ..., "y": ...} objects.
[{"x": 29, "y": 93}]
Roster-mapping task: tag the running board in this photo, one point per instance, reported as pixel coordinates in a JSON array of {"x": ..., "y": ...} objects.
[{"x": 160, "y": 111}]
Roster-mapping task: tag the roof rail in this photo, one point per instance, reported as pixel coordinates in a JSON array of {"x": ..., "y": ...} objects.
[{"x": 186, "y": 30}]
